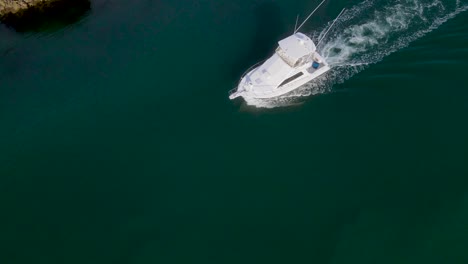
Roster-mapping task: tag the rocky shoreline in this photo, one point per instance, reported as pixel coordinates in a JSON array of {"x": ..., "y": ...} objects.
[
  {"x": 9, "y": 7},
  {"x": 27, "y": 15}
]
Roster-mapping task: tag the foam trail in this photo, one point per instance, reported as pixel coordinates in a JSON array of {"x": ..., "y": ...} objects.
[{"x": 365, "y": 34}]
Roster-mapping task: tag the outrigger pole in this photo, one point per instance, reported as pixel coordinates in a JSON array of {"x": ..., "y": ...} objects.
[
  {"x": 295, "y": 26},
  {"x": 297, "y": 29},
  {"x": 334, "y": 21}
]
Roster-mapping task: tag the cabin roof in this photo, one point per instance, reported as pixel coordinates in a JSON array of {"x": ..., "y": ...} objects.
[
  {"x": 297, "y": 46},
  {"x": 271, "y": 72}
]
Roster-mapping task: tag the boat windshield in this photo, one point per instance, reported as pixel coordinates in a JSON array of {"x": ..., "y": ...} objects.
[
  {"x": 285, "y": 57},
  {"x": 290, "y": 61}
]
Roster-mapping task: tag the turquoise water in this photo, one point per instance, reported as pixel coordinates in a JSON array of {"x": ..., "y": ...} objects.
[{"x": 119, "y": 145}]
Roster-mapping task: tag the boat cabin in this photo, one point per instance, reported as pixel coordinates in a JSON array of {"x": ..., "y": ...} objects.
[
  {"x": 296, "y": 50},
  {"x": 291, "y": 55}
]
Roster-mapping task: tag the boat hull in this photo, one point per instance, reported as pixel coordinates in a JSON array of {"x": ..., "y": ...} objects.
[{"x": 252, "y": 92}]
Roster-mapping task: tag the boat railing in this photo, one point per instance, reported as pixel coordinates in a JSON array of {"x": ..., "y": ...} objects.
[
  {"x": 233, "y": 90},
  {"x": 250, "y": 69}
]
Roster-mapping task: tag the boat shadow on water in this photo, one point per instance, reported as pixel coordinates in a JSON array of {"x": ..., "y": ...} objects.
[
  {"x": 51, "y": 16},
  {"x": 269, "y": 29}
]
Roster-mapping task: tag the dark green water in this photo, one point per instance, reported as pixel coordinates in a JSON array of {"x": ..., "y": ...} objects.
[{"x": 118, "y": 143}]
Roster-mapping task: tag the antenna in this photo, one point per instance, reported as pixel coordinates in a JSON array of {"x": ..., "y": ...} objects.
[
  {"x": 309, "y": 16},
  {"x": 295, "y": 26},
  {"x": 330, "y": 26}
]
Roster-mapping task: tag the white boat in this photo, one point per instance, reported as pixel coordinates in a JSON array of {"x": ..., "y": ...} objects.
[{"x": 294, "y": 63}]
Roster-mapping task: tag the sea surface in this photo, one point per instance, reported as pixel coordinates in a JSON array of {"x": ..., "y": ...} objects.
[{"x": 118, "y": 143}]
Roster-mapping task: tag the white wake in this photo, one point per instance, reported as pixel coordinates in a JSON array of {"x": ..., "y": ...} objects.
[{"x": 364, "y": 35}]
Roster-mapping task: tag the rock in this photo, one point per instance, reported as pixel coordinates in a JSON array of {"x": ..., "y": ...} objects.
[{"x": 36, "y": 15}]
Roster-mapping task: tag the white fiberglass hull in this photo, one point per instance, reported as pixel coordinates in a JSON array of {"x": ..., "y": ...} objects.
[
  {"x": 294, "y": 63},
  {"x": 256, "y": 93},
  {"x": 252, "y": 92}
]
